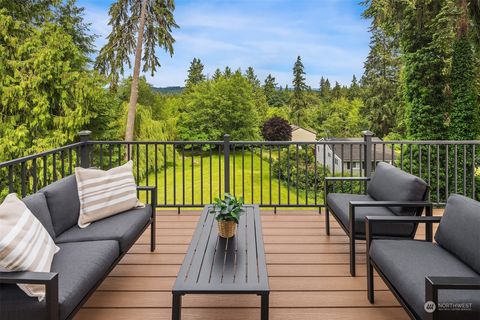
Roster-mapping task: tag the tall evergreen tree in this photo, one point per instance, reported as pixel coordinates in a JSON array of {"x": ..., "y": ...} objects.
[
  {"x": 325, "y": 88},
  {"x": 424, "y": 73},
  {"x": 65, "y": 14},
  {"x": 252, "y": 77},
  {"x": 217, "y": 74},
  {"x": 380, "y": 82},
  {"x": 425, "y": 34},
  {"x": 298, "y": 102},
  {"x": 337, "y": 91},
  {"x": 269, "y": 89},
  {"x": 464, "y": 113},
  {"x": 354, "y": 89},
  {"x": 70, "y": 18},
  {"x": 227, "y": 72},
  {"x": 152, "y": 22},
  {"x": 195, "y": 73}
]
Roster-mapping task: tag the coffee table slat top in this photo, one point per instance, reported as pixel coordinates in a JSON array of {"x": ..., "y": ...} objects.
[{"x": 217, "y": 265}]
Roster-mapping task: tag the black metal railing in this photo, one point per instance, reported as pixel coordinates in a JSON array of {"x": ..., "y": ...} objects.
[{"x": 271, "y": 174}]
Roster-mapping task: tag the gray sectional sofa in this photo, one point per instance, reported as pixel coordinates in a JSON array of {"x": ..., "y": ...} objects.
[
  {"x": 85, "y": 258},
  {"x": 391, "y": 192},
  {"x": 446, "y": 273}
]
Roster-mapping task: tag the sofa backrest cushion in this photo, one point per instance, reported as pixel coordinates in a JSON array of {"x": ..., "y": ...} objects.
[
  {"x": 392, "y": 184},
  {"x": 459, "y": 230},
  {"x": 63, "y": 203},
  {"x": 37, "y": 204}
]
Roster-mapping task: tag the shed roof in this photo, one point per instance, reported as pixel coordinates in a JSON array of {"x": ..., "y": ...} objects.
[{"x": 351, "y": 152}]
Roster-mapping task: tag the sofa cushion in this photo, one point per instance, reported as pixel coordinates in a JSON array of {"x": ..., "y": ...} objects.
[
  {"x": 37, "y": 204},
  {"x": 79, "y": 266},
  {"x": 392, "y": 184},
  {"x": 63, "y": 203},
  {"x": 459, "y": 230},
  {"x": 406, "y": 263},
  {"x": 25, "y": 244},
  {"x": 105, "y": 193},
  {"x": 340, "y": 204},
  {"x": 123, "y": 227}
]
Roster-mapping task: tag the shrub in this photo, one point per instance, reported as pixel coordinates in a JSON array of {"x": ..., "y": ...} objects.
[
  {"x": 277, "y": 129},
  {"x": 297, "y": 166}
]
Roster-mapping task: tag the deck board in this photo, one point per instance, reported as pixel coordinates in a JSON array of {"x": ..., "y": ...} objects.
[{"x": 308, "y": 275}]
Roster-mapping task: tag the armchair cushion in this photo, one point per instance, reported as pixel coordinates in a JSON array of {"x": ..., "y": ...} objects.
[
  {"x": 63, "y": 203},
  {"x": 79, "y": 266},
  {"x": 340, "y": 204},
  {"x": 37, "y": 204},
  {"x": 406, "y": 263},
  {"x": 392, "y": 184},
  {"x": 459, "y": 230},
  {"x": 123, "y": 227}
]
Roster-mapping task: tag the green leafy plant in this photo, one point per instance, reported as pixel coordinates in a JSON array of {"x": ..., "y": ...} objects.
[{"x": 228, "y": 209}]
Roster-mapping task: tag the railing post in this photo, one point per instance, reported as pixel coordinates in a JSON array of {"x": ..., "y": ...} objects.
[
  {"x": 226, "y": 162},
  {"x": 84, "y": 154},
  {"x": 367, "y": 137}
]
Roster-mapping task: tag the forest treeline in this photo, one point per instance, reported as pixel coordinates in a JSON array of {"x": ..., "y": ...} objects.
[{"x": 421, "y": 80}]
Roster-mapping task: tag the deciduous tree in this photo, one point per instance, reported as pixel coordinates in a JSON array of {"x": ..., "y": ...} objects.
[{"x": 277, "y": 129}]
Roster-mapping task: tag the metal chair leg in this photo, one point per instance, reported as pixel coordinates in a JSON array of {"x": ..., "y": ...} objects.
[{"x": 327, "y": 221}]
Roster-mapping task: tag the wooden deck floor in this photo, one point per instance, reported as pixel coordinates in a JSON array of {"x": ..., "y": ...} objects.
[{"x": 308, "y": 274}]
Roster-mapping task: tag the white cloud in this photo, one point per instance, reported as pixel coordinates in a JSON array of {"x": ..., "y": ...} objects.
[{"x": 267, "y": 35}]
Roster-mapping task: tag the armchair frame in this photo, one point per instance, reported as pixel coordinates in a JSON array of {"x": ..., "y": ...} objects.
[{"x": 369, "y": 222}]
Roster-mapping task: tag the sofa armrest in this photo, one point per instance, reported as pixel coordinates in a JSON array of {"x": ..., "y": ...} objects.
[
  {"x": 49, "y": 279},
  {"x": 406, "y": 204},
  {"x": 153, "y": 194},
  {"x": 433, "y": 284}
]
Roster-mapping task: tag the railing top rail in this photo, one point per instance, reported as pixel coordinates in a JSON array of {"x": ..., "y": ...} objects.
[
  {"x": 295, "y": 142},
  {"x": 231, "y": 142},
  {"x": 120, "y": 142},
  {"x": 39, "y": 155},
  {"x": 440, "y": 142}
]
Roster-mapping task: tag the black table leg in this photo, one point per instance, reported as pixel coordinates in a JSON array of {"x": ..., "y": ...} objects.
[
  {"x": 177, "y": 306},
  {"x": 265, "y": 303}
]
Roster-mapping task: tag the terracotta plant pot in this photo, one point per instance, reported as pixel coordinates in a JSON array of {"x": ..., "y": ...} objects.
[{"x": 226, "y": 229}]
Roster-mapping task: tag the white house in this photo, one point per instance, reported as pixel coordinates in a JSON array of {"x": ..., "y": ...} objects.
[{"x": 350, "y": 157}]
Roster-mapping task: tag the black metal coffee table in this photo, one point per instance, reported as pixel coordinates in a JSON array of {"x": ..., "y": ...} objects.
[{"x": 215, "y": 265}]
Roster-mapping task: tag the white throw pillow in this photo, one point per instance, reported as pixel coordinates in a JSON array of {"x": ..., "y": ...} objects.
[
  {"x": 25, "y": 244},
  {"x": 105, "y": 193}
]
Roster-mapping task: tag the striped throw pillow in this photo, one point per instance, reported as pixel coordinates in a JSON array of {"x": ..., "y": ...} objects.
[
  {"x": 25, "y": 244},
  {"x": 105, "y": 193}
]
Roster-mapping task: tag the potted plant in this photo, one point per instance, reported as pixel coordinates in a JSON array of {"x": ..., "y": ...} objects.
[{"x": 227, "y": 213}]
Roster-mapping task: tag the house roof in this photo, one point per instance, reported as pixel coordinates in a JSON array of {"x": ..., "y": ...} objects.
[
  {"x": 295, "y": 127},
  {"x": 352, "y": 152}
]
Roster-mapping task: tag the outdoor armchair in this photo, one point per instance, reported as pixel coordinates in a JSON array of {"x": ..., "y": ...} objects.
[
  {"x": 390, "y": 192},
  {"x": 432, "y": 281}
]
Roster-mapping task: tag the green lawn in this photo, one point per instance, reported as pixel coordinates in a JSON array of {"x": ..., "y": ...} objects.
[{"x": 253, "y": 185}]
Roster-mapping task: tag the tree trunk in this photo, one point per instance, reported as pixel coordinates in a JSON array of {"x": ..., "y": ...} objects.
[{"x": 132, "y": 105}]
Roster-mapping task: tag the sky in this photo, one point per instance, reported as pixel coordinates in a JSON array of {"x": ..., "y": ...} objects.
[{"x": 330, "y": 35}]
